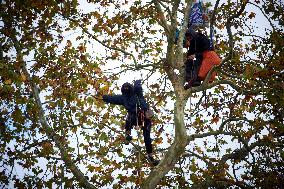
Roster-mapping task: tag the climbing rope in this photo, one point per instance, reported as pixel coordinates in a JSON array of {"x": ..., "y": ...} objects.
[{"x": 139, "y": 115}]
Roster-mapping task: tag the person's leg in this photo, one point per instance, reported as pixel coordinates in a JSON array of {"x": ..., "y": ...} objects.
[
  {"x": 196, "y": 66},
  {"x": 188, "y": 73},
  {"x": 146, "y": 134},
  {"x": 128, "y": 127},
  {"x": 188, "y": 69},
  {"x": 148, "y": 141}
]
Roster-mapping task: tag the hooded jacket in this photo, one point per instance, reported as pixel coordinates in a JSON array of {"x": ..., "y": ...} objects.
[
  {"x": 198, "y": 43},
  {"x": 130, "y": 97}
]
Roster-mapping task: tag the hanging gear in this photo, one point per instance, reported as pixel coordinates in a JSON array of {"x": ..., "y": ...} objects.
[
  {"x": 198, "y": 16},
  {"x": 210, "y": 59}
]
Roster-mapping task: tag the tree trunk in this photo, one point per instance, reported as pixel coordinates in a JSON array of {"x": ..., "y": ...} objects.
[{"x": 177, "y": 148}]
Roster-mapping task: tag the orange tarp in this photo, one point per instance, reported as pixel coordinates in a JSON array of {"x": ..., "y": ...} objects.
[{"x": 210, "y": 58}]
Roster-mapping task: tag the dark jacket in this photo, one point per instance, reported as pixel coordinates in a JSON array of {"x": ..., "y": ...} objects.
[
  {"x": 131, "y": 96},
  {"x": 198, "y": 44}
]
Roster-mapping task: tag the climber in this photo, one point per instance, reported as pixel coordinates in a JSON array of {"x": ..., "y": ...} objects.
[
  {"x": 138, "y": 113},
  {"x": 200, "y": 58}
]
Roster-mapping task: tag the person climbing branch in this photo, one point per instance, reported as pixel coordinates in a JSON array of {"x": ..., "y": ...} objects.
[
  {"x": 200, "y": 58},
  {"x": 196, "y": 44},
  {"x": 138, "y": 113}
]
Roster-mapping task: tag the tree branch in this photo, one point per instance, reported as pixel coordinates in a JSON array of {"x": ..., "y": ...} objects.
[
  {"x": 101, "y": 42},
  {"x": 213, "y": 17},
  {"x": 265, "y": 15},
  {"x": 229, "y": 31},
  {"x": 49, "y": 131},
  {"x": 161, "y": 17},
  {"x": 1, "y": 52}
]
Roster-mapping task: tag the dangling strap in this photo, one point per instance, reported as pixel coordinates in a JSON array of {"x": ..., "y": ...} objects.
[
  {"x": 205, "y": 99},
  {"x": 139, "y": 113},
  {"x": 138, "y": 140},
  {"x": 211, "y": 39}
]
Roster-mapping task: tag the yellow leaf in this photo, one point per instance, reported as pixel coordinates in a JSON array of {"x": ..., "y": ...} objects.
[
  {"x": 8, "y": 82},
  {"x": 23, "y": 77},
  {"x": 69, "y": 44},
  {"x": 91, "y": 168}
]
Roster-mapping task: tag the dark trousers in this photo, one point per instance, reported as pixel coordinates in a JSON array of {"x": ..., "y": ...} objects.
[
  {"x": 145, "y": 125},
  {"x": 192, "y": 68}
]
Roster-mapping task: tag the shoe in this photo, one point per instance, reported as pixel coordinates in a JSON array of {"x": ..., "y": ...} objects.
[
  {"x": 196, "y": 83},
  {"x": 153, "y": 161},
  {"x": 186, "y": 86},
  {"x": 128, "y": 138}
]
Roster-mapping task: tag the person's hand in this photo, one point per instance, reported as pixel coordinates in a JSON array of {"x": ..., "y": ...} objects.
[{"x": 191, "y": 57}]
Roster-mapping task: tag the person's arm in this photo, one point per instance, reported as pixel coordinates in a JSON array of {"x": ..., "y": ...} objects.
[{"x": 115, "y": 99}]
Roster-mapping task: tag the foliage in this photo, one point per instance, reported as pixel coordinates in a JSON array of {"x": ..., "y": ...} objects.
[{"x": 58, "y": 57}]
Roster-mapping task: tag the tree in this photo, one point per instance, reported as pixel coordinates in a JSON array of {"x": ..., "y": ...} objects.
[{"x": 56, "y": 132}]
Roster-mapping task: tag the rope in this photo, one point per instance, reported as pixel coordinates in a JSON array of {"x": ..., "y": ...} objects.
[
  {"x": 138, "y": 134},
  {"x": 211, "y": 38}
]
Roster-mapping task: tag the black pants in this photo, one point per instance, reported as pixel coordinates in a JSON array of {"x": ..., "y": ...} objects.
[
  {"x": 192, "y": 68},
  {"x": 145, "y": 126}
]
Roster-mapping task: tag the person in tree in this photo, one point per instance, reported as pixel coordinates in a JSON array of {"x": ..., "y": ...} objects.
[
  {"x": 138, "y": 113},
  {"x": 196, "y": 44}
]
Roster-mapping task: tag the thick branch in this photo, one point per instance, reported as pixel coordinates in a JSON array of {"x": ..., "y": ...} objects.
[
  {"x": 220, "y": 82},
  {"x": 229, "y": 31},
  {"x": 175, "y": 151}
]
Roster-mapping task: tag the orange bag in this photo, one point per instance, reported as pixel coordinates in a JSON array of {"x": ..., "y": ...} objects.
[{"x": 210, "y": 58}]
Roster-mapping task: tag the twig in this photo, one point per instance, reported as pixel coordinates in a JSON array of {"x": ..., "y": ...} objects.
[{"x": 101, "y": 42}]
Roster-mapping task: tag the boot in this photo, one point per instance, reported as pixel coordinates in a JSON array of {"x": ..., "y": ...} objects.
[{"x": 196, "y": 83}]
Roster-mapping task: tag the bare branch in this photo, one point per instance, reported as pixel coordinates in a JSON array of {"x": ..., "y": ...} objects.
[
  {"x": 213, "y": 17},
  {"x": 1, "y": 52},
  {"x": 101, "y": 42},
  {"x": 265, "y": 15},
  {"x": 185, "y": 23},
  {"x": 231, "y": 120}
]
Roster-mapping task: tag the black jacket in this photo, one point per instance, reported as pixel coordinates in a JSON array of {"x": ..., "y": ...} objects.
[
  {"x": 129, "y": 99},
  {"x": 198, "y": 44}
]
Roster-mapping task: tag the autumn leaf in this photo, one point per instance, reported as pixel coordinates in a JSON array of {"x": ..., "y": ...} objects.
[
  {"x": 23, "y": 77},
  {"x": 215, "y": 119},
  {"x": 91, "y": 168},
  {"x": 8, "y": 82},
  {"x": 251, "y": 15},
  {"x": 69, "y": 44}
]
